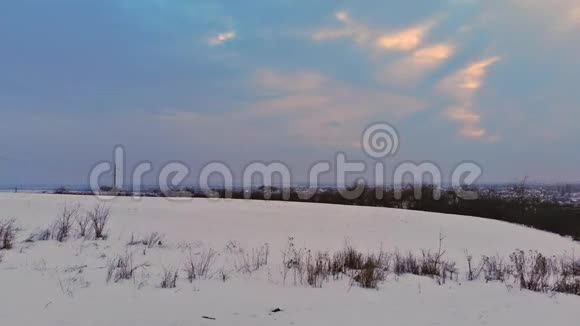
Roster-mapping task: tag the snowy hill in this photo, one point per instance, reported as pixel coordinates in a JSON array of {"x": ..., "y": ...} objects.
[{"x": 65, "y": 283}]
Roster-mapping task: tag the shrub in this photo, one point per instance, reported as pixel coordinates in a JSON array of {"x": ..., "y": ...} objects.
[
  {"x": 199, "y": 267},
  {"x": 63, "y": 225},
  {"x": 317, "y": 268},
  {"x": 429, "y": 263},
  {"x": 205, "y": 262},
  {"x": 149, "y": 241},
  {"x": 83, "y": 223},
  {"x": 369, "y": 277},
  {"x": 190, "y": 269},
  {"x": 8, "y": 231},
  {"x": 99, "y": 217},
  {"x": 473, "y": 272},
  {"x": 406, "y": 264},
  {"x": 249, "y": 262},
  {"x": 371, "y": 273},
  {"x": 495, "y": 269},
  {"x": 154, "y": 239},
  {"x": 43, "y": 235},
  {"x": 352, "y": 258},
  {"x": 532, "y": 271},
  {"x": 337, "y": 268},
  {"x": 575, "y": 267},
  {"x": 570, "y": 266},
  {"x": 366, "y": 270},
  {"x": 570, "y": 286},
  {"x": 447, "y": 269},
  {"x": 567, "y": 279},
  {"x": 224, "y": 275},
  {"x": 122, "y": 268},
  {"x": 133, "y": 241},
  {"x": 349, "y": 259},
  {"x": 293, "y": 260},
  {"x": 169, "y": 279}
]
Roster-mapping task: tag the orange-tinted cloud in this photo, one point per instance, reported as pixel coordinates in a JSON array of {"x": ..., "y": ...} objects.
[
  {"x": 462, "y": 87},
  {"x": 222, "y": 38},
  {"x": 413, "y": 67},
  {"x": 318, "y": 111},
  {"x": 402, "y": 40},
  {"x": 405, "y": 40}
]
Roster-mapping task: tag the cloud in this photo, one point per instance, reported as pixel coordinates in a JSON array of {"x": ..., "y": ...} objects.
[
  {"x": 300, "y": 81},
  {"x": 433, "y": 54},
  {"x": 555, "y": 16},
  {"x": 462, "y": 115},
  {"x": 472, "y": 131},
  {"x": 322, "y": 111},
  {"x": 405, "y": 40},
  {"x": 303, "y": 108},
  {"x": 221, "y": 38},
  {"x": 464, "y": 83},
  {"x": 236, "y": 128},
  {"x": 413, "y": 67},
  {"x": 402, "y": 40},
  {"x": 350, "y": 29},
  {"x": 419, "y": 59},
  {"x": 574, "y": 17},
  {"x": 462, "y": 86}
]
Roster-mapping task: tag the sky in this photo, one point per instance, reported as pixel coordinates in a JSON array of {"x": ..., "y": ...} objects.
[{"x": 493, "y": 82}]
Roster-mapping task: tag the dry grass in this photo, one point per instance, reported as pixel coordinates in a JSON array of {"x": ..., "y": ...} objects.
[
  {"x": 123, "y": 268},
  {"x": 251, "y": 261},
  {"x": 169, "y": 278},
  {"x": 83, "y": 222},
  {"x": 199, "y": 266},
  {"x": 8, "y": 231}
]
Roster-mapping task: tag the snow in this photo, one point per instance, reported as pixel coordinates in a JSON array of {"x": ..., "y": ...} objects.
[{"x": 50, "y": 283}]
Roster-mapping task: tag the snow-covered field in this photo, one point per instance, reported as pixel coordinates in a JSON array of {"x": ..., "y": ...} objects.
[{"x": 51, "y": 283}]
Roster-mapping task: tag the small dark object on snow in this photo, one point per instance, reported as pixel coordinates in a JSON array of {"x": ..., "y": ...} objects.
[
  {"x": 206, "y": 317},
  {"x": 276, "y": 310}
]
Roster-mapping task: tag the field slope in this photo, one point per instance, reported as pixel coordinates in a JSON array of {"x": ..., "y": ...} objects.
[{"x": 54, "y": 283}]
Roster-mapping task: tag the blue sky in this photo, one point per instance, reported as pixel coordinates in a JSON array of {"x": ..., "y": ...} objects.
[{"x": 494, "y": 82}]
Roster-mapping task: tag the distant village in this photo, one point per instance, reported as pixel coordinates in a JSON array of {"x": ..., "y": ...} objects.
[{"x": 564, "y": 194}]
